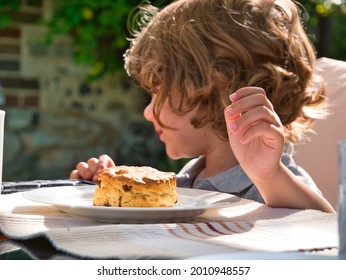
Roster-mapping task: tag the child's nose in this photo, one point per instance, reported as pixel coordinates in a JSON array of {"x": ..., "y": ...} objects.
[{"x": 148, "y": 112}]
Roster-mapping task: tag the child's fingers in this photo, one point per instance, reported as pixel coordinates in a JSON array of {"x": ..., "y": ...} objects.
[
  {"x": 83, "y": 171},
  {"x": 89, "y": 170},
  {"x": 248, "y": 102},
  {"x": 253, "y": 116},
  {"x": 93, "y": 165},
  {"x": 272, "y": 135},
  {"x": 74, "y": 174},
  {"x": 230, "y": 113},
  {"x": 246, "y": 91},
  {"x": 105, "y": 161}
]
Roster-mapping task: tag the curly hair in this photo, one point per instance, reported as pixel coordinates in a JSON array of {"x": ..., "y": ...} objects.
[{"x": 207, "y": 49}]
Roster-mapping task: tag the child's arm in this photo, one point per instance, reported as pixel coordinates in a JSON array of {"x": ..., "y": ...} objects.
[
  {"x": 256, "y": 136},
  {"x": 90, "y": 169},
  {"x": 284, "y": 189}
]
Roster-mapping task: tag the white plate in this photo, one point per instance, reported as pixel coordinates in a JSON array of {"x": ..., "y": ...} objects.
[{"x": 78, "y": 201}]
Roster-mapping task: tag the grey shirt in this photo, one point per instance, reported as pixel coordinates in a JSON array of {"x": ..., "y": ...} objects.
[{"x": 234, "y": 180}]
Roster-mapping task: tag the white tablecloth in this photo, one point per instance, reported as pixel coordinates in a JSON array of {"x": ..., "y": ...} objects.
[{"x": 247, "y": 227}]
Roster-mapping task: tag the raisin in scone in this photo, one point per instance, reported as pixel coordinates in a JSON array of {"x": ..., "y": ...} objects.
[{"x": 135, "y": 186}]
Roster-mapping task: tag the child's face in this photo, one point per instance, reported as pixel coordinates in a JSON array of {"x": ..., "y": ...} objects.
[{"x": 182, "y": 139}]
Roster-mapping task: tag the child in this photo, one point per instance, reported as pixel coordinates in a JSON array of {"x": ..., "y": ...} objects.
[{"x": 233, "y": 87}]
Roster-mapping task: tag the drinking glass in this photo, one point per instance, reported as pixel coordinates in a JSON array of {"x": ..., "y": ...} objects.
[
  {"x": 2, "y": 124},
  {"x": 342, "y": 199}
]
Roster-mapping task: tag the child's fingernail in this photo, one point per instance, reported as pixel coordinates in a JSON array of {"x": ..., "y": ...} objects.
[
  {"x": 229, "y": 111},
  {"x": 232, "y": 97},
  {"x": 234, "y": 127}
]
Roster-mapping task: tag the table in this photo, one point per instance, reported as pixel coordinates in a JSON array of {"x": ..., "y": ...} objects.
[{"x": 248, "y": 229}]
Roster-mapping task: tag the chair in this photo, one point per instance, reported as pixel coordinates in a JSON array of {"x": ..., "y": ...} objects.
[{"x": 319, "y": 157}]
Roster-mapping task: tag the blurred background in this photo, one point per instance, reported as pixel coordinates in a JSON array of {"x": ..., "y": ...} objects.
[{"x": 67, "y": 96}]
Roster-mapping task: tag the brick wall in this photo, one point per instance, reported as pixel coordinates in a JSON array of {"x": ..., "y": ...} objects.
[{"x": 19, "y": 91}]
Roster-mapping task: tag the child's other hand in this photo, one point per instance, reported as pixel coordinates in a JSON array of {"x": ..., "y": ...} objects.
[
  {"x": 89, "y": 170},
  {"x": 255, "y": 132}
]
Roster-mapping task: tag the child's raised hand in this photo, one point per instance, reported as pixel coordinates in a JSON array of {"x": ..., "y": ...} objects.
[
  {"x": 90, "y": 169},
  {"x": 255, "y": 132}
]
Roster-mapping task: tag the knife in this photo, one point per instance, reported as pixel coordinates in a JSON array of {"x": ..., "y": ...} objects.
[{"x": 22, "y": 186}]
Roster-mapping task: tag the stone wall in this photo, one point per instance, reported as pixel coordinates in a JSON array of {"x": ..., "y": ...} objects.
[{"x": 55, "y": 119}]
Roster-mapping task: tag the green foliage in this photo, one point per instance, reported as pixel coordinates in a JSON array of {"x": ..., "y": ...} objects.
[
  {"x": 7, "y": 8},
  {"x": 323, "y": 7},
  {"x": 338, "y": 36},
  {"x": 98, "y": 29},
  {"x": 325, "y": 21}
]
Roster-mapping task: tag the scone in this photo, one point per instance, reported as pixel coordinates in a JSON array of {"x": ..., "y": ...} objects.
[{"x": 135, "y": 186}]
